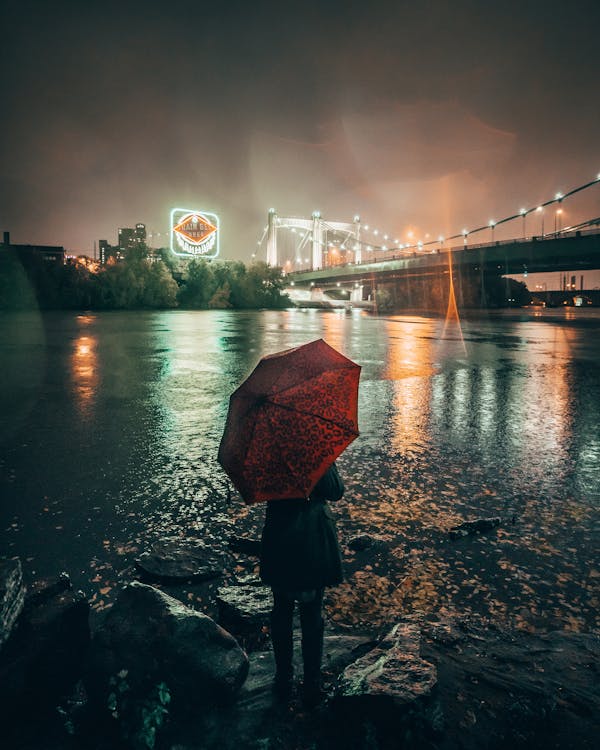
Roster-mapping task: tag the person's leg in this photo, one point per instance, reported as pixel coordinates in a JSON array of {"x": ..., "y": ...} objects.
[
  {"x": 282, "y": 616},
  {"x": 311, "y": 620}
]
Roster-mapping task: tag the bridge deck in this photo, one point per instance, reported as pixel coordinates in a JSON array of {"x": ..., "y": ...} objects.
[{"x": 563, "y": 253}]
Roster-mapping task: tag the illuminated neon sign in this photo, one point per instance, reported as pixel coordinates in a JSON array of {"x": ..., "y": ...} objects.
[{"x": 194, "y": 233}]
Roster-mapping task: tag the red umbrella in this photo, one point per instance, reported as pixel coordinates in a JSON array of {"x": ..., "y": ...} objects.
[{"x": 289, "y": 421}]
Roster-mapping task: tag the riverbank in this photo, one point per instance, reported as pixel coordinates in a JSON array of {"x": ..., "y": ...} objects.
[{"x": 439, "y": 683}]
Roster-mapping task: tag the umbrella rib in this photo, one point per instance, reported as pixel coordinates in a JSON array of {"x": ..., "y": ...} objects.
[
  {"x": 307, "y": 380},
  {"x": 308, "y": 414}
]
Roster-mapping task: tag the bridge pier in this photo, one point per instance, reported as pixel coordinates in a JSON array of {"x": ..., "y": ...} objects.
[{"x": 356, "y": 295}]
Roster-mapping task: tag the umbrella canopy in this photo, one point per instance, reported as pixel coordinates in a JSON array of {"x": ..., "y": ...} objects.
[{"x": 289, "y": 421}]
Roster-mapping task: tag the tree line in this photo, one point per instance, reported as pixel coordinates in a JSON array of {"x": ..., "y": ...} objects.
[{"x": 138, "y": 282}]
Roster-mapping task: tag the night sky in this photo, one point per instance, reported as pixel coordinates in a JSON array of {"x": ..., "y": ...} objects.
[{"x": 430, "y": 116}]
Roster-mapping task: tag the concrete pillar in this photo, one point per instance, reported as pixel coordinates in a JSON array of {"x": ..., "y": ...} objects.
[
  {"x": 357, "y": 245},
  {"x": 357, "y": 293},
  {"x": 272, "y": 238},
  {"x": 317, "y": 241}
]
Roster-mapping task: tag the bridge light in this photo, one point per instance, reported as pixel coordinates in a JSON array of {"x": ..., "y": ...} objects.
[
  {"x": 558, "y": 197},
  {"x": 298, "y": 260},
  {"x": 376, "y": 231},
  {"x": 440, "y": 238},
  {"x": 396, "y": 242},
  {"x": 492, "y": 223},
  {"x": 293, "y": 230},
  {"x": 316, "y": 214},
  {"x": 292, "y": 283},
  {"x": 357, "y": 218},
  {"x": 338, "y": 284},
  {"x": 258, "y": 243},
  {"x": 367, "y": 227},
  {"x": 522, "y": 211},
  {"x": 385, "y": 236},
  {"x": 384, "y": 247}
]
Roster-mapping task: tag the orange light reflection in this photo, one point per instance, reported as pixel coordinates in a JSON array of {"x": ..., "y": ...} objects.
[{"x": 84, "y": 371}]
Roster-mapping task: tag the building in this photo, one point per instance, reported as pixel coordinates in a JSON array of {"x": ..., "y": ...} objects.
[
  {"x": 28, "y": 254},
  {"x": 106, "y": 250},
  {"x": 130, "y": 238}
]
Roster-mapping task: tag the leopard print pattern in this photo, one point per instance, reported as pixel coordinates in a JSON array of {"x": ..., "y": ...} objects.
[{"x": 289, "y": 421}]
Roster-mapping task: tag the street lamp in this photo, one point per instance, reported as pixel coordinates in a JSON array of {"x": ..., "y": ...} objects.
[
  {"x": 540, "y": 209},
  {"x": 557, "y": 222},
  {"x": 492, "y": 224},
  {"x": 523, "y": 213}
]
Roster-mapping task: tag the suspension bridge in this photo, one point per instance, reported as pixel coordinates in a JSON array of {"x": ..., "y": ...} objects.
[{"x": 332, "y": 253}]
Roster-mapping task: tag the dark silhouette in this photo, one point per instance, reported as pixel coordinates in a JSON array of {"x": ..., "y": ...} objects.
[{"x": 300, "y": 557}]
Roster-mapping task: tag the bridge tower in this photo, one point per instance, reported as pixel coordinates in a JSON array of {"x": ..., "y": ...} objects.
[
  {"x": 272, "y": 238},
  {"x": 317, "y": 227}
]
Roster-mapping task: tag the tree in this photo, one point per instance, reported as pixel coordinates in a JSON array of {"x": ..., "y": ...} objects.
[
  {"x": 160, "y": 288},
  {"x": 199, "y": 285}
]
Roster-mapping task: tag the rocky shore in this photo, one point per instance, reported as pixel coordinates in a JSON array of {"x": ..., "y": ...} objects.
[{"x": 156, "y": 673}]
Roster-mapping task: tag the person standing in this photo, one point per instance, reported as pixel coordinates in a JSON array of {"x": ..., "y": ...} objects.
[{"x": 300, "y": 556}]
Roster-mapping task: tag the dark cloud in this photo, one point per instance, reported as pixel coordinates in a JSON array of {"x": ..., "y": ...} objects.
[{"x": 428, "y": 114}]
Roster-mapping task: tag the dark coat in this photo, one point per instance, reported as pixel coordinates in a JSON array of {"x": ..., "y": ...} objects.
[{"x": 300, "y": 549}]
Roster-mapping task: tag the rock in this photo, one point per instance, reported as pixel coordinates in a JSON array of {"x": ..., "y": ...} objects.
[
  {"x": 245, "y": 545},
  {"x": 249, "y": 604},
  {"x": 245, "y": 611},
  {"x": 12, "y": 596},
  {"x": 155, "y": 639},
  {"x": 391, "y": 672},
  {"x": 502, "y": 687},
  {"x": 175, "y": 561},
  {"x": 366, "y": 541},
  {"x": 473, "y": 527},
  {"x": 43, "y": 659}
]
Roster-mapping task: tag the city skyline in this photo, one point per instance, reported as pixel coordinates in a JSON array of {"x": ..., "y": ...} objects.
[{"x": 421, "y": 119}]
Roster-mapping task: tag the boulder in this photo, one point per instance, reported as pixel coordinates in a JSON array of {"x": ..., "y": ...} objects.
[
  {"x": 245, "y": 609},
  {"x": 177, "y": 561},
  {"x": 12, "y": 596},
  {"x": 392, "y": 672},
  {"x": 42, "y": 661},
  {"x": 245, "y": 606},
  {"x": 473, "y": 527},
  {"x": 154, "y": 638}
]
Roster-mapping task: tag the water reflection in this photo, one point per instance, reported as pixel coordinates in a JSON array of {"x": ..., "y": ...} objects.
[
  {"x": 507, "y": 427},
  {"x": 84, "y": 372}
]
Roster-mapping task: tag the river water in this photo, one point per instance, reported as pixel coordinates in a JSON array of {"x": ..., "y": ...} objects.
[{"x": 110, "y": 424}]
